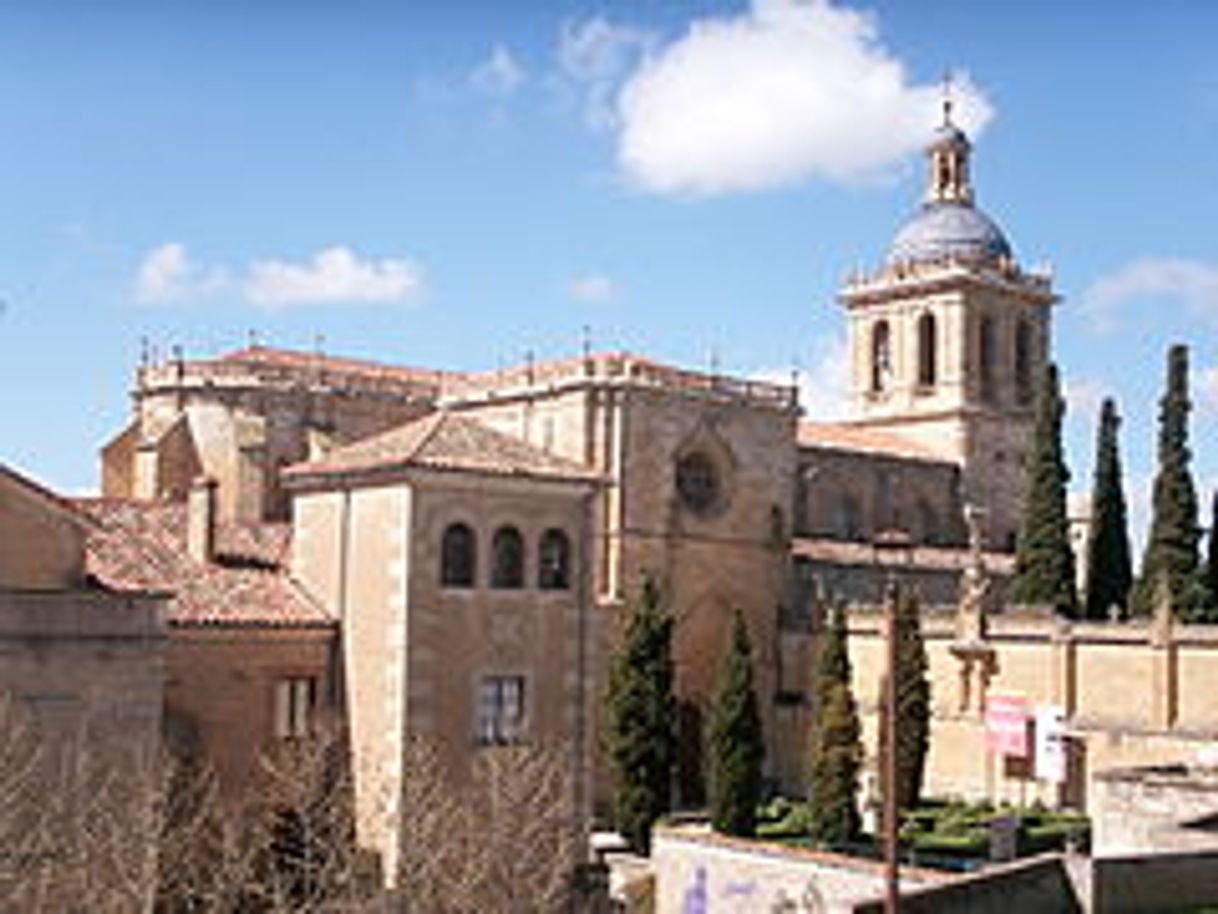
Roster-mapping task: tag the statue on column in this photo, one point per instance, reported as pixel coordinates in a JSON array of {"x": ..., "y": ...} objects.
[
  {"x": 974, "y": 583},
  {"x": 976, "y": 657}
]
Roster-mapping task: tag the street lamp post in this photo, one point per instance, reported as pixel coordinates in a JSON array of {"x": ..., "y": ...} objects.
[{"x": 897, "y": 545}]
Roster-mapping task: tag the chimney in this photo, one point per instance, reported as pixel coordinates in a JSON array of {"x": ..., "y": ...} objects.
[{"x": 201, "y": 520}]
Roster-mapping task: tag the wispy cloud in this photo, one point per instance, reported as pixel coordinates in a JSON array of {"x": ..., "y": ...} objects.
[
  {"x": 596, "y": 55},
  {"x": 1206, "y": 385},
  {"x": 593, "y": 287},
  {"x": 167, "y": 275},
  {"x": 1176, "y": 280},
  {"x": 499, "y": 74},
  {"x": 824, "y": 388},
  {"x": 1084, "y": 397},
  {"x": 786, "y": 91},
  {"x": 334, "y": 275}
]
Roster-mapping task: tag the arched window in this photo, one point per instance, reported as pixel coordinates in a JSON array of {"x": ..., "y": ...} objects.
[
  {"x": 848, "y": 520},
  {"x": 507, "y": 547},
  {"x": 1023, "y": 363},
  {"x": 554, "y": 561},
  {"x": 985, "y": 359},
  {"x": 458, "y": 556},
  {"x": 928, "y": 523},
  {"x": 881, "y": 357},
  {"x": 927, "y": 351}
]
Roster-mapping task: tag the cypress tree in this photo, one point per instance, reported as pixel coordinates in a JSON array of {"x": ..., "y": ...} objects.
[
  {"x": 1044, "y": 563},
  {"x": 1171, "y": 546},
  {"x": 1109, "y": 572},
  {"x": 912, "y": 702},
  {"x": 641, "y": 715},
  {"x": 836, "y": 751},
  {"x": 734, "y": 740}
]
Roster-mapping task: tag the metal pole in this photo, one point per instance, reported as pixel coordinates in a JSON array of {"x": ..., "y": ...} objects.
[{"x": 892, "y": 892}]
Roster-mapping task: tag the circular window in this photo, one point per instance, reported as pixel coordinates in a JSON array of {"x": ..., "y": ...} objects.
[{"x": 698, "y": 482}]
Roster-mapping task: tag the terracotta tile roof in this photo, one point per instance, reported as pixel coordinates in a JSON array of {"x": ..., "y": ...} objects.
[
  {"x": 445, "y": 440},
  {"x": 142, "y": 546},
  {"x": 937, "y": 558},
  {"x": 841, "y": 436},
  {"x": 293, "y": 358}
]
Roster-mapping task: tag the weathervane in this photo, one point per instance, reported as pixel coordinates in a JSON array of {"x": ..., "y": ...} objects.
[{"x": 947, "y": 98}]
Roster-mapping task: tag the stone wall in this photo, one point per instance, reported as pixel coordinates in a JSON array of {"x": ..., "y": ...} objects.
[
  {"x": 41, "y": 543},
  {"x": 220, "y": 690},
  {"x": 697, "y": 870},
  {"x": 1040, "y": 884},
  {"x": 1155, "y": 882},
  {"x": 1154, "y": 808},
  {"x": 80, "y": 702},
  {"x": 1130, "y": 697},
  {"x": 416, "y": 652},
  {"x": 852, "y": 496}
]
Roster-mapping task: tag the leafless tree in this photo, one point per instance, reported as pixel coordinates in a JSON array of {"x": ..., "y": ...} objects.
[
  {"x": 502, "y": 840},
  {"x": 88, "y": 825},
  {"x": 77, "y": 810}
]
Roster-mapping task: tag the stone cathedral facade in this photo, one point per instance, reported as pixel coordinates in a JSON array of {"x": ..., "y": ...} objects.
[{"x": 475, "y": 538}]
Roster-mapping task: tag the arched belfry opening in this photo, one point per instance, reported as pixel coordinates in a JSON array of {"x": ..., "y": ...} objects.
[
  {"x": 986, "y": 358},
  {"x": 1023, "y": 363},
  {"x": 881, "y": 357},
  {"x": 928, "y": 351}
]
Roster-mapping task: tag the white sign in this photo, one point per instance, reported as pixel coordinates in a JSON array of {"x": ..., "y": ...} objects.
[{"x": 1050, "y": 743}]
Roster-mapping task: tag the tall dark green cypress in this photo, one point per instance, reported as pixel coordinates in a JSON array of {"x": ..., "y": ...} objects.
[
  {"x": 912, "y": 701},
  {"x": 734, "y": 740},
  {"x": 1044, "y": 562},
  {"x": 1171, "y": 546},
  {"x": 1109, "y": 568},
  {"x": 642, "y": 709},
  {"x": 836, "y": 751}
]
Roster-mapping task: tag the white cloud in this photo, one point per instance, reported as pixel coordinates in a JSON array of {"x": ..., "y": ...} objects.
[
  {"x": 786, "y": 91},
  {"x": 334, "y": 275},
  {"x": 1191, "y": 283},
  {"x": 592, "y": 288},
  {"x": 1083, "y": 397},
  {"x": 167, "y": 274},
  {"x": 1206, "y": 385},
  {"x": 824, "y": 389},
  {"x": 596, "y": 55},
  {"x": 499, "y": 74}
]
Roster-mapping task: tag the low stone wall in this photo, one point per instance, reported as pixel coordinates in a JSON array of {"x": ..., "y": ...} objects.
[
  {"x": 1154, "y": 882},
  {"x": 1041, "y": 884},
  {"x": 698, "y": 872},
  {"x": 1155, "y": 808}
]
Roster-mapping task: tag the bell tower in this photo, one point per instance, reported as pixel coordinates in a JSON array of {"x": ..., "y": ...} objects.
[{"x": 949, "y": 336}]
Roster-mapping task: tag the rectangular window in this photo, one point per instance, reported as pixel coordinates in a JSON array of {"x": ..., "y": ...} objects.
[
  {"x": 294, "y": 699},
  {"x": 500, "y": 709}
]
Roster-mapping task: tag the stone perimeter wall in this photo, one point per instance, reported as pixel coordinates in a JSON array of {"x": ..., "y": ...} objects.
[{"x": 1131, "y": 697}]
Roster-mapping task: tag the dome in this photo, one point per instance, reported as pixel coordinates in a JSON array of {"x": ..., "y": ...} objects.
[{"x": 949, "y": 230}]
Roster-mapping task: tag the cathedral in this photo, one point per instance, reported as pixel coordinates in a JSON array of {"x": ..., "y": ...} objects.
[{"x": 452, "y": 554}]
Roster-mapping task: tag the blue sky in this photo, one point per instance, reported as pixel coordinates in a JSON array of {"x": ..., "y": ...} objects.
[{"x": 456, "y": 184}]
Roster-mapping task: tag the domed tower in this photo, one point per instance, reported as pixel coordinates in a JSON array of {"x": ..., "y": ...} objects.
[{"x": 949, "y": 337}]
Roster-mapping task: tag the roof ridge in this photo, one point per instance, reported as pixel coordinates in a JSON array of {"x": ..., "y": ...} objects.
[{"x": 437, "y": 420}]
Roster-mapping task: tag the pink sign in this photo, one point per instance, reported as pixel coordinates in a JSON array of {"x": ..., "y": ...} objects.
[{"x": 1006, "y": 725}]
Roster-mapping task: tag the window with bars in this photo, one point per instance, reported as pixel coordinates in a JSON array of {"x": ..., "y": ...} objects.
[
  {"x": 500, "y": 709},
  {"x": 294, "y": 700}
]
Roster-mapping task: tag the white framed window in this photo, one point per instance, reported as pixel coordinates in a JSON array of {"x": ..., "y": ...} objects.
[
  {"x": 294, "y": 700},
  {"x": 500, "y": 709}
]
